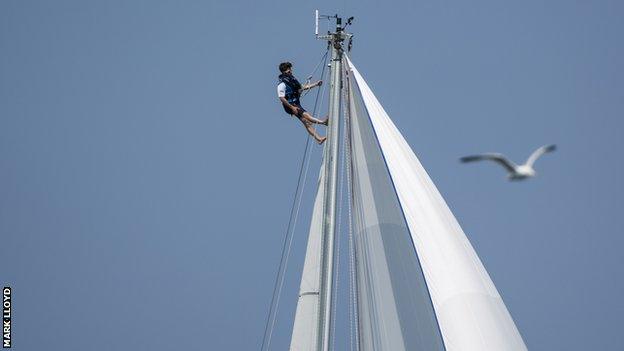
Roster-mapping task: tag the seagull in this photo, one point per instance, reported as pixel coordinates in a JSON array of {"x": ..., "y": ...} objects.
[{"x": 516, "y": 172}]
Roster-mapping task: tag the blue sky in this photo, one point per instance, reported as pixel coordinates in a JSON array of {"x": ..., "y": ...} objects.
[{"x": 147, "y": 169}]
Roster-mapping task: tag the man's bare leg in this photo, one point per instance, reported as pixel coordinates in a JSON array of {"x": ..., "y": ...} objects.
[
  {"x": 308, "y": 126},
  {"x": 309, "y": 117}
]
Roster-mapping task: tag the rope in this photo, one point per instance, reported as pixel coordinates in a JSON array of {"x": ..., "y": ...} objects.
[
  {"x": 324, "y": 60},
  {"x": 290, "y": 229}
]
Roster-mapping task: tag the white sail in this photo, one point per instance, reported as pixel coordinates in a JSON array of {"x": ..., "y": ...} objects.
[
  {"x": 304, "y": 335},
  {"x": 395, "y": 310},
  {"x": 420, "y": 282}
]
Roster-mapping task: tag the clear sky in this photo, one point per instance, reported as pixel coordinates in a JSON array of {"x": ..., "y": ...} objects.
[{"x": 147, "y": 169}]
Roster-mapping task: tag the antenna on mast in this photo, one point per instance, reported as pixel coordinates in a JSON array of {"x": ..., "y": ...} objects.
[
  {"x": 336, "y": 38},
  {"x": 316, "y": 17}
]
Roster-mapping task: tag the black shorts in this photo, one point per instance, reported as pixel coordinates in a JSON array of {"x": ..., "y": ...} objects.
[{"x": 300, "y": 110}]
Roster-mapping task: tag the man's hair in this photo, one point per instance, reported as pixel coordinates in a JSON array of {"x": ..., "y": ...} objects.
[{"x": 284, "y": 66}]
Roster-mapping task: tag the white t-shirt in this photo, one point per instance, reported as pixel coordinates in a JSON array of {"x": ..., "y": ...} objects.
[{"x": 281, "y": 89}]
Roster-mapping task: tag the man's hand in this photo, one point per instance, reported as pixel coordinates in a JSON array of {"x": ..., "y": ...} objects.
[
  {"x": 311, "y": 85},
  {"x": 294, "y": 109}
]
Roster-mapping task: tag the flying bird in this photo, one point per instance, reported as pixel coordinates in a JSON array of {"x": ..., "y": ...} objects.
[{"x": 516, "y": 172}]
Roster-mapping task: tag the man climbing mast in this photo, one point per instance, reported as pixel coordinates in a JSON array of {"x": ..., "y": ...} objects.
[{"x": 289, "y": 91}]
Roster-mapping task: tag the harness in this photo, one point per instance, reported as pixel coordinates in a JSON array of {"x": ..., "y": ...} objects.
[{"x": 293, "y": 88}]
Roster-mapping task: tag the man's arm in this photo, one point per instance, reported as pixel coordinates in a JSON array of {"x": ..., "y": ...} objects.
[
  {"x": 312, "y": 85},
  {"x": 294, "y": 109}
]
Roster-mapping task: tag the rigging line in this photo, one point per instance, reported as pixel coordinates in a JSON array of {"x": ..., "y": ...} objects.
[
  {"x": 353, "y": 321},
  {"x": 279, "y": 279},
  {"x": 323, "y": 60},
  {"x": 321, "y": 92},
  {"x": 347, "y": 131},
  {"x": 353, "y": 312},
  {"x": 270, "y": 322}
]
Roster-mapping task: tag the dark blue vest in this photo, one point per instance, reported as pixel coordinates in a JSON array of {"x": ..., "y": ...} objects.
[{"x": 292, "y": 88}]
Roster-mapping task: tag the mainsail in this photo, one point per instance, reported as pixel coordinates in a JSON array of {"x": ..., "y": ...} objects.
[
  {"x": 419, "y": 284},
  {"x": 304, "y": 336}
]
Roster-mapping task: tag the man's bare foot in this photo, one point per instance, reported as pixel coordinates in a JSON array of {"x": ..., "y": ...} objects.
[{"x": 321, "y": 140}]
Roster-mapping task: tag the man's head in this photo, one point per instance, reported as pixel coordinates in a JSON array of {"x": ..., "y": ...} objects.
[{"x": 285, "y": 67}]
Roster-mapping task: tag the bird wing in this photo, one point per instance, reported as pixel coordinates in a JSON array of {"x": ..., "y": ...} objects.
[
  {"x": 539, "y": 152},
  {"x": 498, "y": 158}
]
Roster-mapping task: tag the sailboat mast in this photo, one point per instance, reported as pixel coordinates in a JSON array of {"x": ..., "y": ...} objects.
[{"x": 331, "y": 178}]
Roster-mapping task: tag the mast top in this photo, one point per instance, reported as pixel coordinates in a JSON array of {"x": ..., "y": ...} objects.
[{"x": 336, "y": 38}]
